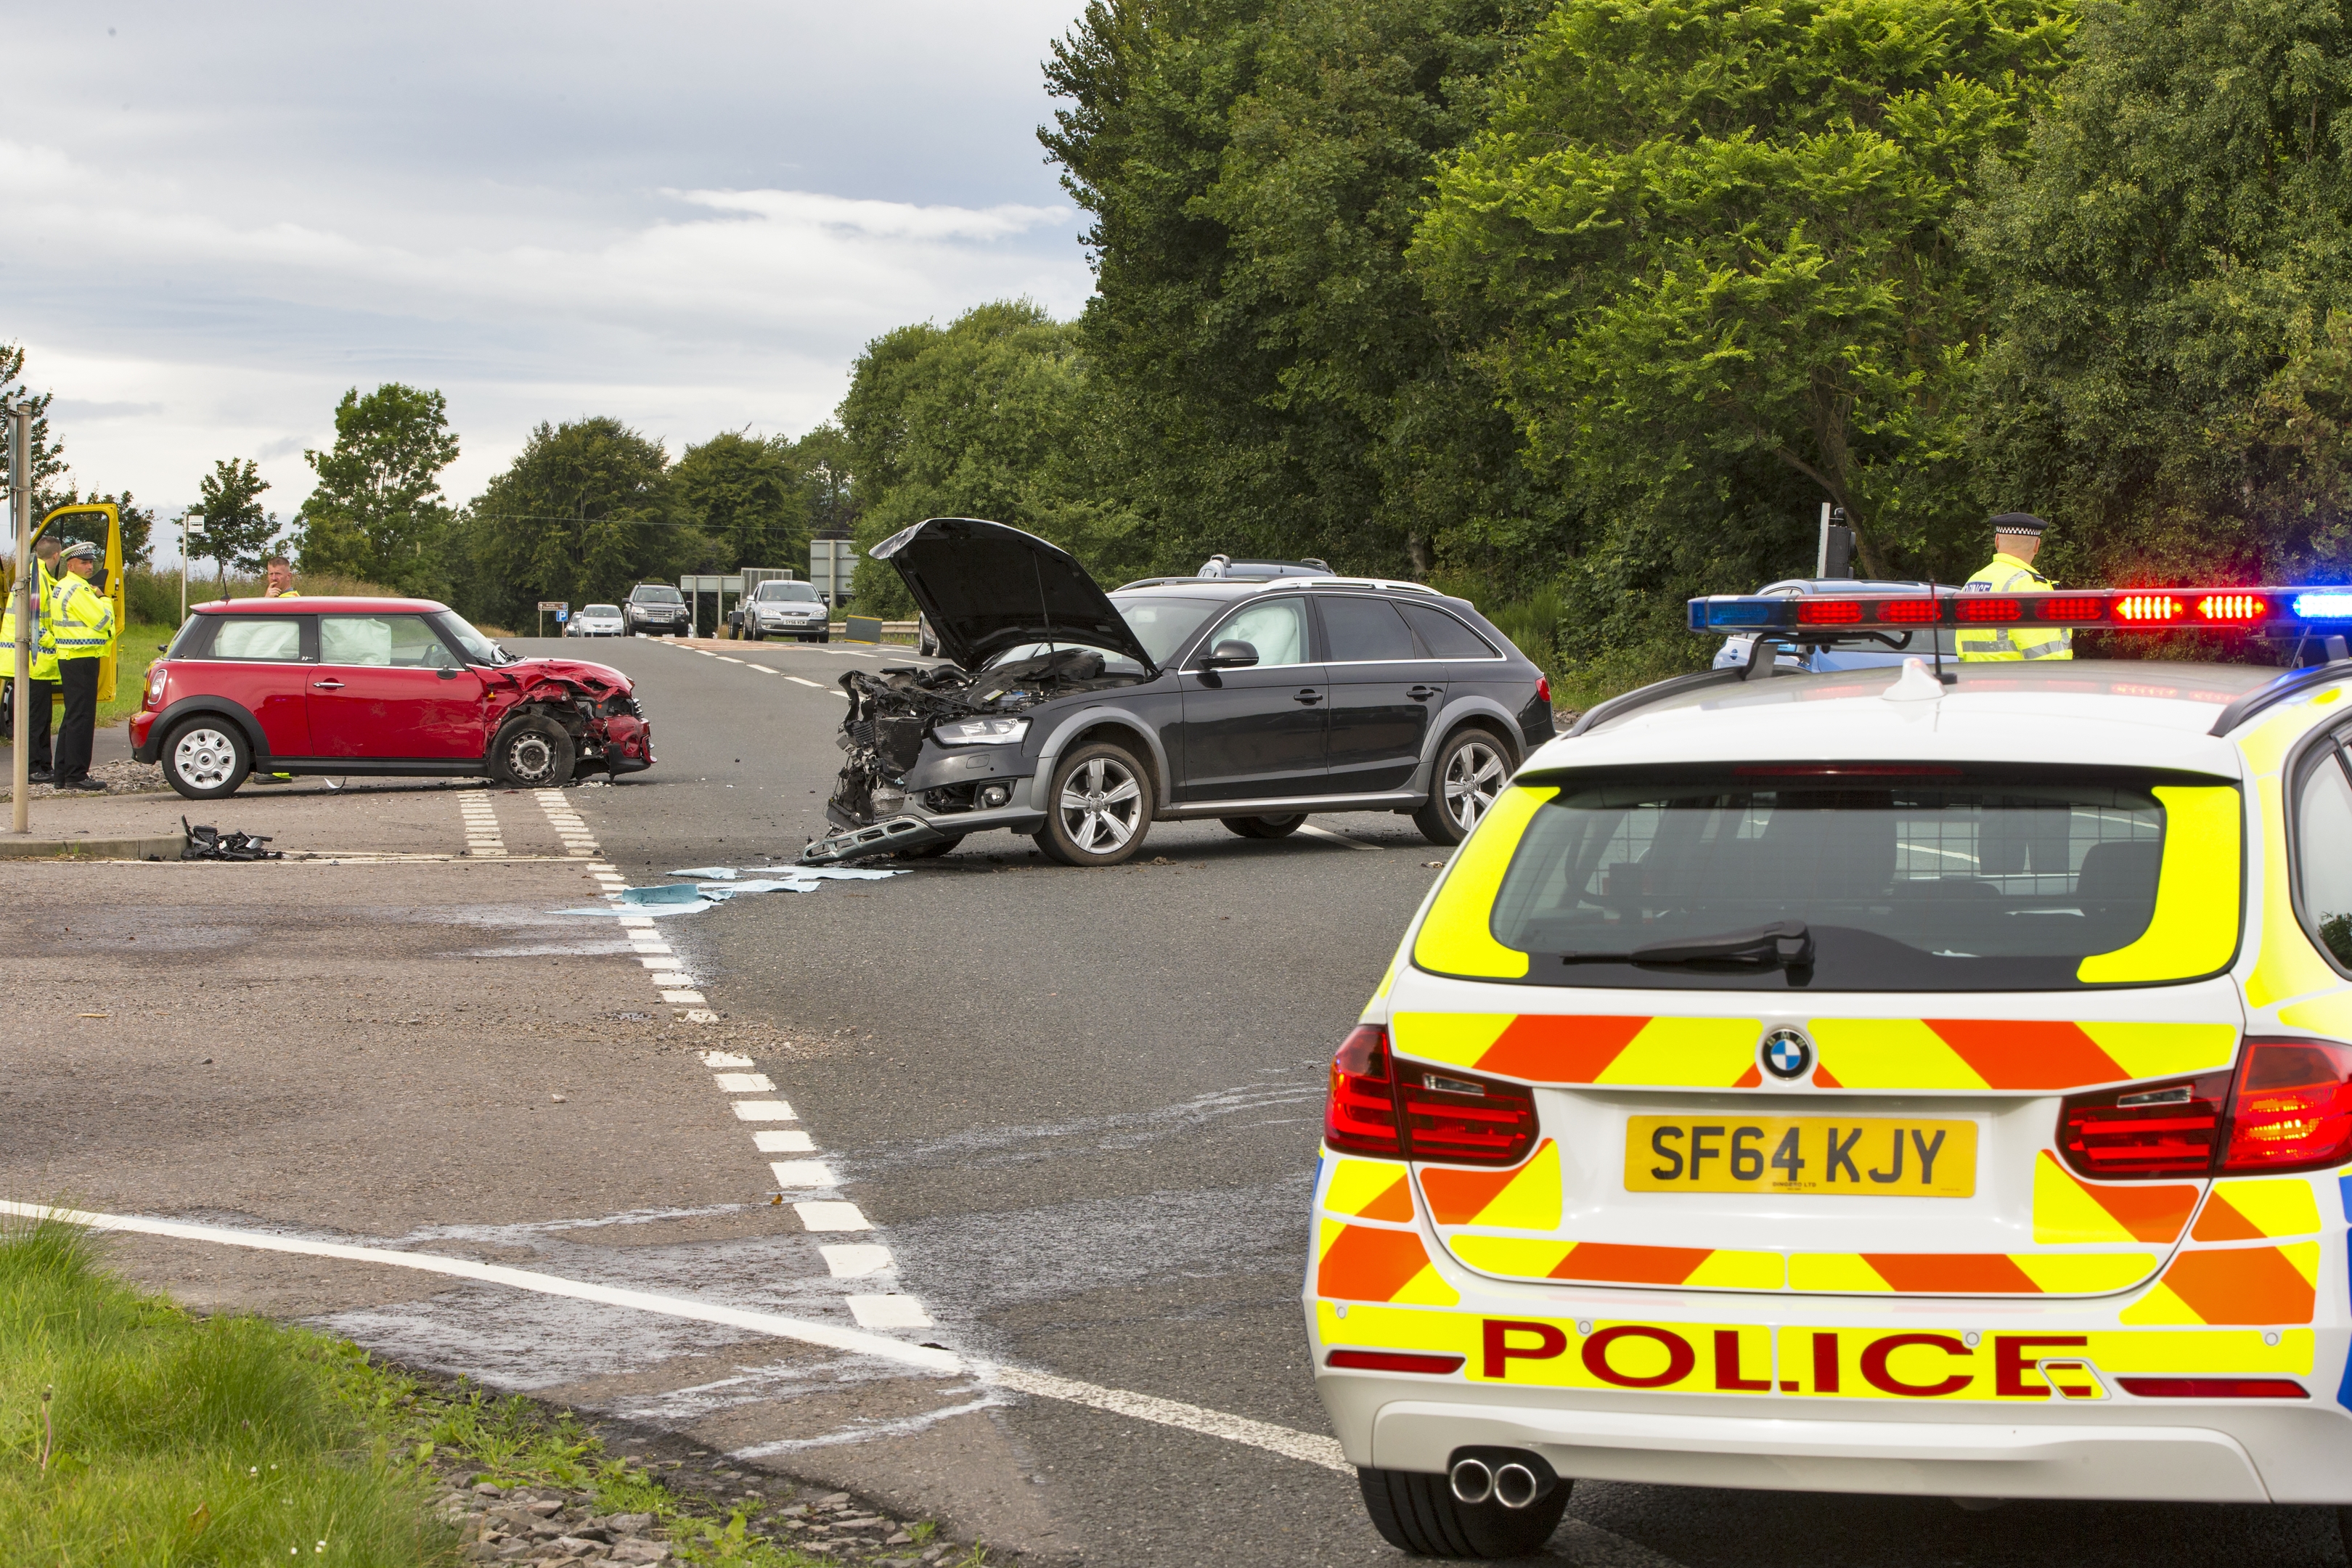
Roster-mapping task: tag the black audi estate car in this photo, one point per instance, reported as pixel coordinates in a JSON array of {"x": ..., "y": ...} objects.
[{"x": 1080, "y": 717}]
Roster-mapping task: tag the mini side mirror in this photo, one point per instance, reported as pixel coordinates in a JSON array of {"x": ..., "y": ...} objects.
[
  {"x": 1230, "y": 654},
  {"x": 448, "y": 673}
]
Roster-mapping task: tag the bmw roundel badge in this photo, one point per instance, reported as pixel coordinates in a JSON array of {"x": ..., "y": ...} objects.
[{"x": 1787, "y": 1055}]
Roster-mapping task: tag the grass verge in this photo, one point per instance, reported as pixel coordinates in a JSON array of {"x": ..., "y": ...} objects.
[
  {"x": 131, "y": 1432},
  {"x": 135, "y": 1433}
]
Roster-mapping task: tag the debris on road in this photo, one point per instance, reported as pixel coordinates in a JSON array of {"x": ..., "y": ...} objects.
[
  {"x": 212, "y": 844},
  {"x": 692, "y": 898}
]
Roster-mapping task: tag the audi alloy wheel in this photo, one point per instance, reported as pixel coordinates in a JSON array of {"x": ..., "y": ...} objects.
[{"x": 1102, "y": 807}]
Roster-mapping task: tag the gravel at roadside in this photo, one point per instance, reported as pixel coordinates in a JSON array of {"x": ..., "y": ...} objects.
[{"x": 120, "y": 778}]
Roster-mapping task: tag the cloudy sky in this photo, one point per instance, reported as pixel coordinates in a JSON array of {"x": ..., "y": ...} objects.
[{"x": 214, "y": 219}]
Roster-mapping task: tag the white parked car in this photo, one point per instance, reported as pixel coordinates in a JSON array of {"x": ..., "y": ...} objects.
[{"x": 595, "y": 621}]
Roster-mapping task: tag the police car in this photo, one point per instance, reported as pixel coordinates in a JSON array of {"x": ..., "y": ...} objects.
[{"x": 1916, "y": 1080}]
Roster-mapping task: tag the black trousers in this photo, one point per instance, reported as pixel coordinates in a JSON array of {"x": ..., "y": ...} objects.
[
  {"x": 75, "y": 731},
  {"x": 36, "y": 736}
]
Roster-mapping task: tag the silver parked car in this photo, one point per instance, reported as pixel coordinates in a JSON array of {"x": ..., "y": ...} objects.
[
  {"x": 595, "y": 621},
  {"x": 790, "y": 609}
]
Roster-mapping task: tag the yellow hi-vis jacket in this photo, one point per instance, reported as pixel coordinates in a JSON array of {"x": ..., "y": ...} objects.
[
  {"x": 82, "y": 619},
  {"x": 2008, "y": 574},
  {"x": 45, "y": 646}
]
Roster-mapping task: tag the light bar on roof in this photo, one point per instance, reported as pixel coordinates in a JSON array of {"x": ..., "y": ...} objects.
[{"x": 1824, "y": 617}]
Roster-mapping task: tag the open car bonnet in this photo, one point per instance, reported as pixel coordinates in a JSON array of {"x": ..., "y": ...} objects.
[{"x": 986, "y": 587}]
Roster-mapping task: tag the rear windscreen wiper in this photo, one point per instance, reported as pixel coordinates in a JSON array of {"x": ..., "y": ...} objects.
[{"x": 1784, "y": 945}]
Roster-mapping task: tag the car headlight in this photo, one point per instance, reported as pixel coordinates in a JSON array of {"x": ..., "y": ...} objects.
[{"x": 981, "y": 731}]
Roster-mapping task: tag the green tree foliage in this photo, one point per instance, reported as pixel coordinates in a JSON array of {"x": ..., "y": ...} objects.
[
  {"x": 377, "y": 511},
  {"x": 1274, "y": 378},
  {"x": 1713, "y": 242},
  {"x": 825, "y": 468},
  {"x": 48, "y": 464},
  {"x": 236, "y": 532},
  {"x": 2172, "y": 382},
  {"x": 586, "y": 510},
  {"x": 746, "y": 496},
  {"x": 989, "y": 416}
]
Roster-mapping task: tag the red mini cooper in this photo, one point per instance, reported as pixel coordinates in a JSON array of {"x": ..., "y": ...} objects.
[{"x": 401, "y": 688}]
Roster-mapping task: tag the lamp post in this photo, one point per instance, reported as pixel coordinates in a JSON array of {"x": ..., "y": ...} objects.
[{"x": 20, "y": 509}]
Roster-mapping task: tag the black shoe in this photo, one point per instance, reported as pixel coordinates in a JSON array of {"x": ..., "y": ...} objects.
[
  {"x": 42, "y": 776},
  {"x": 84, "y": 782}
]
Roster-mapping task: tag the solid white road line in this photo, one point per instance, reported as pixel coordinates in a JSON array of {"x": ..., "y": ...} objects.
[
  {"x": 1303, "y": 1445},
  {"x": 1325, "y": 833},
  {"x": 531, "y": 1280}
]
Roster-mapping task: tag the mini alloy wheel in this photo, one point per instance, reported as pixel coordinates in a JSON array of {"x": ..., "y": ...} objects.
[
  {"x": 1102, "y": 809},
  {"x": 533, "y": 752},
  {"x": 205, "y": 759},
  {"x": 1470, "y": 775}
]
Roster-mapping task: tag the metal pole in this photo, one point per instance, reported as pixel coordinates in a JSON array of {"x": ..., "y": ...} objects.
[
  {"x": 20, "y": 496},
  {"x": 183, "y": 566}
]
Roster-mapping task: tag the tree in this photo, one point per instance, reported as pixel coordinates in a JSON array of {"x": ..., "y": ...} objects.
[
  {"x": 988, "y": 416},
  {"x": 745, "y": 496},
  {"x": 237, "y": 530},
  {"x": 1712, "y": 244},
  {"x": 585, "y": 510},
  {"x": 1274, "y": 376},
  {"x": 48, "y": 464},
  {"x": 376, "y": 512},
  {"x": 2172, "y": 383},
  {"x": 822, "y": 461}
]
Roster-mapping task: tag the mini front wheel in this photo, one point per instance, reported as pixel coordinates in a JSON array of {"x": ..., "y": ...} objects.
[{"x": 533, "y": 752}]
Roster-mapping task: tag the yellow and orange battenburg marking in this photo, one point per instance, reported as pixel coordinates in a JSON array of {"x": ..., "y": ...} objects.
[
  {"x": 1913, "y": 1361},
  {"x": 1369, "y": 1189},
  {"x": 2222, "y": 1285},
  {"x": 2070, "y": 1212},
  {"x": 1369, "y": 1263},
  {"x": 1959, "y": 1054}
]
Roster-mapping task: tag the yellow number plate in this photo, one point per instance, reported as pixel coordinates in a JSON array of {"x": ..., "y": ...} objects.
[{"x": 1870, "y": 1157}]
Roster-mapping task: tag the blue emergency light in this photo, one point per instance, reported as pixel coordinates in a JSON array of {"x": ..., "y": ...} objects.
[{"x": 1831, "y": 617}]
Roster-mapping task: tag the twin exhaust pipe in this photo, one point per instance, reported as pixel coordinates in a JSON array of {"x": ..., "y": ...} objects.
[{"x": 1512, "y": 1480}]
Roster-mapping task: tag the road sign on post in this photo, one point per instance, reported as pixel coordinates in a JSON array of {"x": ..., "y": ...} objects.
[
  {"x": 833, "y": 567},
  {"x": 558, "y": 605}
]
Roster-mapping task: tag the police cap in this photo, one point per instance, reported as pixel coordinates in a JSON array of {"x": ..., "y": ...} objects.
[
  {"x": 2021, "y": 523},
  {"x": 85, "y": 551}
]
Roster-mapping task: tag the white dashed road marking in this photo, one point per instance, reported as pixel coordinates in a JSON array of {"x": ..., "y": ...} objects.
[
  {"x": 856, "y": 1259},
  {"x": 888, "y": 1312},
  {"x": 782, "y": 1143},
  {"x": 482, "y": 834},
  {"x": 804, "y": 1176},
  {"x": 832, "y": 1217},
  {"x": 811, "y": 685},
  {"x": 764, "y": 1111},
  {"x": 744, "y": 1083}
]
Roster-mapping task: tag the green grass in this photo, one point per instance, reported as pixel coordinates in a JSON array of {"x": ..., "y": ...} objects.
[{"x": 135, "y": 1433}]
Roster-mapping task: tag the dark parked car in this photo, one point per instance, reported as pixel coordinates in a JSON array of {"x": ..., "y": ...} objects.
[
  {"x": 1079, "y": 717},
  {"x": 656, "y": 609}
]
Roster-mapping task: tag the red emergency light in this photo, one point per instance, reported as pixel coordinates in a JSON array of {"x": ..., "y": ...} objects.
[{"x": 1828, "y": 617}]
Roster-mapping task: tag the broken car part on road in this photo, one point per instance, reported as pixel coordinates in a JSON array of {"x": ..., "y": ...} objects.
[{"x": 212, "y": 844}]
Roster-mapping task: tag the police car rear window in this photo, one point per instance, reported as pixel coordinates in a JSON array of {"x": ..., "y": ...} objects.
[{"x": 1904, "y": 878}]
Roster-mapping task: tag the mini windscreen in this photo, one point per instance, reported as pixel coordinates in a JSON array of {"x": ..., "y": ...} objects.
[{"x": 1829, "y": 615}]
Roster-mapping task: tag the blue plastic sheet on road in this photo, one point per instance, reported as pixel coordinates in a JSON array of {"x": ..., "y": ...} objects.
[{"x": 724, "y": 883}]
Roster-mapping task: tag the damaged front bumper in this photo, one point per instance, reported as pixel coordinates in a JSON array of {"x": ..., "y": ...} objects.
[{"x": 912, "y": 830}]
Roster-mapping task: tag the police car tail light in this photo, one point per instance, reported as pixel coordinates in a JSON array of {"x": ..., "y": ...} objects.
[
  {"x": 2213, "y": 1388},
  {"x": 1359, "y": 1112},
  {"x": 2294, "y": 1107},
  {"x": 1456, "y": 1120},
  {"x": 1407, "y": 1111},
  {"x": 2146, "y": 1130}
]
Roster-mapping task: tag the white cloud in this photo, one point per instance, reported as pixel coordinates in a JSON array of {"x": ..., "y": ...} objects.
[{"x": 536, "y": 230}]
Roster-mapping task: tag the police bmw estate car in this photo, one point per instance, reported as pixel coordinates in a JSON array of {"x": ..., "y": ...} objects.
[{"x": 1897, "y": 1081}]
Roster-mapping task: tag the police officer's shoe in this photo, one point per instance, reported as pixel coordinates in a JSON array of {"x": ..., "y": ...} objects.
[
  {"x": 42, "y": 776},
  {"x": 84, "y": 782}
]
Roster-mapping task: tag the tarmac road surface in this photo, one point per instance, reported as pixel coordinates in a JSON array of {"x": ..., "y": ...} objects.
[{"x": 1078, "y": 1112}]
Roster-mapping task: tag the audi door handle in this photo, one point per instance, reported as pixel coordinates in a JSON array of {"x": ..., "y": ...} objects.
[
  {"x": 327, "y": 685},
  {"x": 1310, "y": 697},
  {"x": 1421, "y": 693}
]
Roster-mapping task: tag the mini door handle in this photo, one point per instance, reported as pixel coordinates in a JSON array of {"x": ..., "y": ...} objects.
[
  {"x": 1421, "y": 693},
  {"x": 328, "y": 685},
  {"x": 1310, "y": 697}
]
